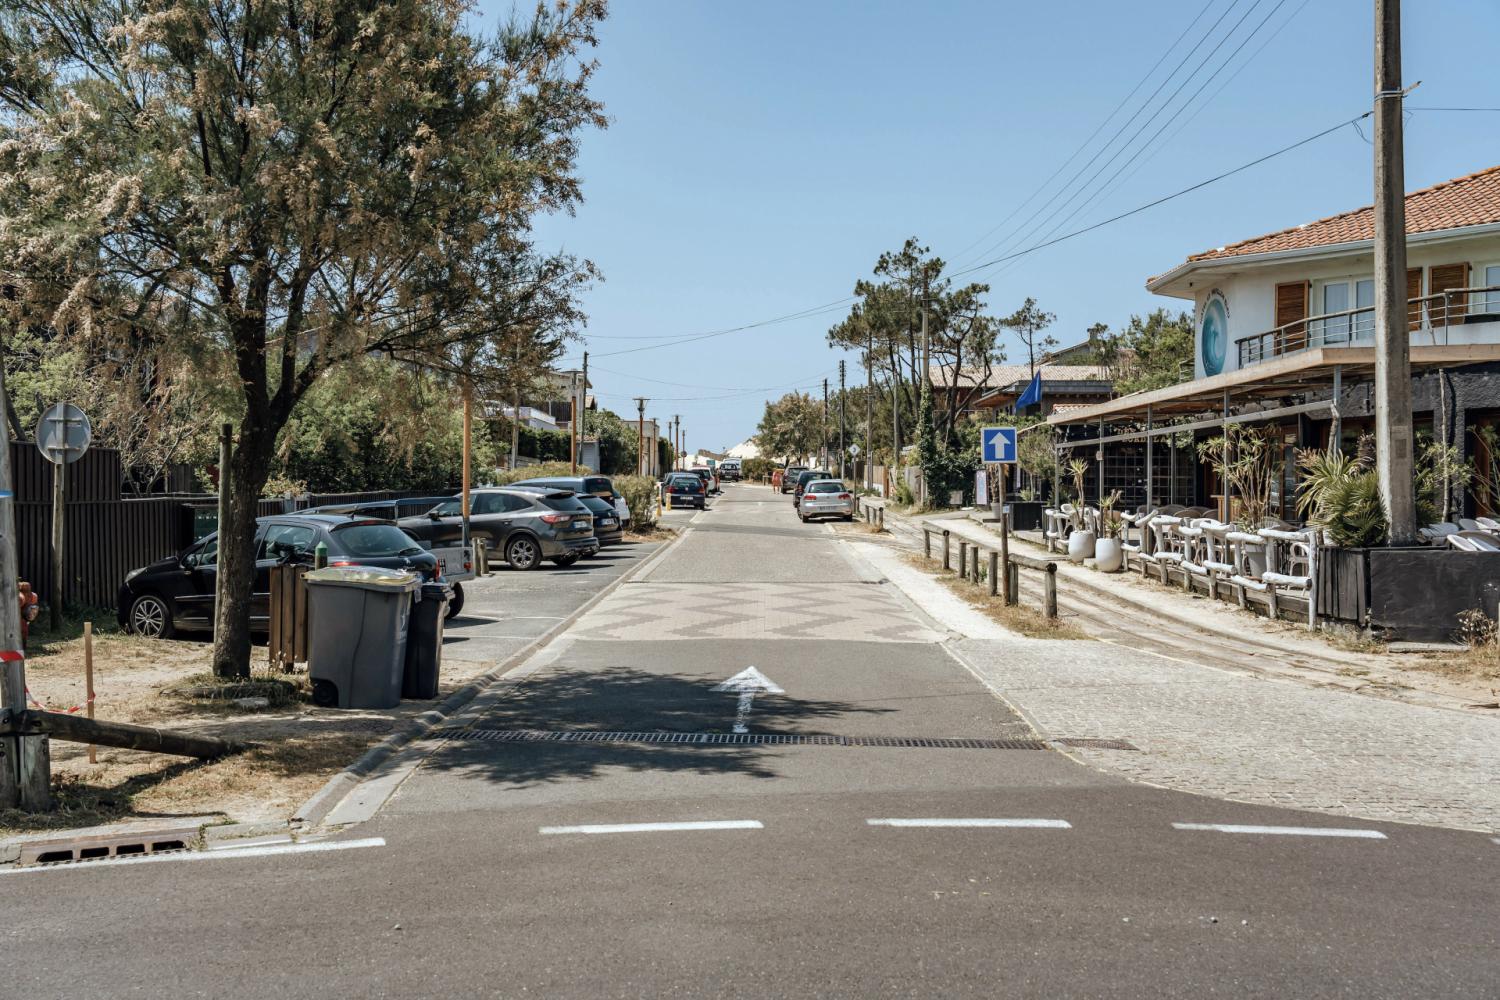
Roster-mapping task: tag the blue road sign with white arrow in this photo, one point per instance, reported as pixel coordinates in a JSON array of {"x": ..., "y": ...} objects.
[{"x": 997, "y": 444}]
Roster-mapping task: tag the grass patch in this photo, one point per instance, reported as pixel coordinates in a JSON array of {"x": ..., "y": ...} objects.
[{"x": 1019, "y": 618}]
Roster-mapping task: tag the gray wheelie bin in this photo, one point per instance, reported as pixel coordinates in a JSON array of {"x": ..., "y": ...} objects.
[
  {"x": 357, "y": 619},
  {"x": 424, "y": 642}
]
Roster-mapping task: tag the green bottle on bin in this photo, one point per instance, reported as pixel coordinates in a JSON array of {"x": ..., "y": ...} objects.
[{"x": 320, "y": 555}]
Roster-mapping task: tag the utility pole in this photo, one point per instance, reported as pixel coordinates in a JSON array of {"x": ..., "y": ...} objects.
[
  {"x": 823, "y": 430},
  {"x": 573, "y": 427},
  {"x": 869, "y": 412},
  {"x": 583, "y": 404},
  {"x": 676, "y": 440},
  {"x": 640, "y": 438},
  {"x": 1394, "y": 462},
  {"x": 25, "y": 768},
  {"x": 842, "y": 470},
  {"x": 468, "y": 392}
]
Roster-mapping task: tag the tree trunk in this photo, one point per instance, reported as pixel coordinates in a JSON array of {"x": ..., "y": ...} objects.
[{"x": 250, "y": 466}]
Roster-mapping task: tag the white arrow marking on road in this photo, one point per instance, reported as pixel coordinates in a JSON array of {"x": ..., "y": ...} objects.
[{"x": 747, "y": 684}]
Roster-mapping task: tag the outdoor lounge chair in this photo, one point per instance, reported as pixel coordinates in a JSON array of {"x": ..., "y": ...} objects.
[
  {"x": 1166, "y": 545},
  {"x": 1461, "y": 543},
  {"x": 1482, "y": 541},
  {"x": 1134, "y": 530},
  {"x": 1488, "y": 524},
  {"x": 1468, "y": 524},
  {"x": 1291, "y": 562}
]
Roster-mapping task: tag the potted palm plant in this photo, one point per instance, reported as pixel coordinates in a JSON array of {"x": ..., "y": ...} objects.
[
  {"x": 1080, "y": 539},
  {"x": 1108, "y": 555}
]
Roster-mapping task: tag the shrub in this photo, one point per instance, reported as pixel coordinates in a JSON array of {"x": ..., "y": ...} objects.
[
  {"x": 547, "y": 469},
  {"x": 640, "y": 494},
  {"x": 758, "y": 469}
]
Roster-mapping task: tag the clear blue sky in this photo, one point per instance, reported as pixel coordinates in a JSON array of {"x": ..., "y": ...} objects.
[{"x": 761, "y": 156}]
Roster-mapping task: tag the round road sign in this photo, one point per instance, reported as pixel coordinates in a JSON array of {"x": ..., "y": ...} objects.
[{"x": 63, "y": 434}]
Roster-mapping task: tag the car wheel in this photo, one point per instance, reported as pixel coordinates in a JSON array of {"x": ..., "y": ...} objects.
[
  {"x": 457, "y": 603},
  {"x": 523, "y": 553},
  {"x": 566, "y": 560},
  {"x": 151, "y": 616}
]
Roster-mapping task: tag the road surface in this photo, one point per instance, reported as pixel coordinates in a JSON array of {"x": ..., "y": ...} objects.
[{"x": 828, "y": 853}]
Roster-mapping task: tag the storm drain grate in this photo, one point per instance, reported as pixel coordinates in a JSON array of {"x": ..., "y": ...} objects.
[
  {"x": 1094, "y": 743},
  {"x": 759, "y": 739}
]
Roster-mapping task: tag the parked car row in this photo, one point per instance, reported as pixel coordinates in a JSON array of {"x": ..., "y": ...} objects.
[{"x": 525, "y": 524}]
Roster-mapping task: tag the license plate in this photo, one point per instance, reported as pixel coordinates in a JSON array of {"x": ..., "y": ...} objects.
[
  {"x": 607, "y": 523},
  {"x": 580, "y": 524}
]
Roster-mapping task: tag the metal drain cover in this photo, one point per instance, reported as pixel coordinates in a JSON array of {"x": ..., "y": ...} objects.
[{"x": 760, "y": 739}]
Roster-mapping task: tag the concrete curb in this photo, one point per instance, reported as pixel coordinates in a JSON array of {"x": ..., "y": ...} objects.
[{"x": 337, "y": 788}]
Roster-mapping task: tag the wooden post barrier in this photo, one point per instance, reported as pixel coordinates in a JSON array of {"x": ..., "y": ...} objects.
[
  {"x": 994, "y": 570},
  {"x": 77, "y": 729},
  {"x": 880, "y": 517},
  {"x": 1013, "y": 580},
  {"x": 926, "y": 543},
  {"x": 88, "y": 679},
  {"x": 1005, "y": 557},
  {"x": 1049, "y": 591},
  {"x": 963, "y": 558},
  {"x": 947, "y": 559}
]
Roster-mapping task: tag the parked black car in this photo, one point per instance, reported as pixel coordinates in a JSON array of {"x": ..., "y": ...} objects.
[
  {"x": 607, "y": 527},
  {"x": 523, "y": 527},
  {"x": 685, "y": 489},
  {"x": 789, "y": 477},
  {"x": 176, "y": 594}
]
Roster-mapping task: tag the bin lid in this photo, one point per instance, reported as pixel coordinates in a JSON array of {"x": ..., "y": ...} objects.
[{"x": 365, "y": 578}]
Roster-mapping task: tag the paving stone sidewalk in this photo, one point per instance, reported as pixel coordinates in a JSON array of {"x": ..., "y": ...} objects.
[{"x": 1253, "y": 739}]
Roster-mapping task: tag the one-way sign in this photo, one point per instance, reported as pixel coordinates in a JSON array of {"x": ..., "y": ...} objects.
[{"x": 997, "y": 444}]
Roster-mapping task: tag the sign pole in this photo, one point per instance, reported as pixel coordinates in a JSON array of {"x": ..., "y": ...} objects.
[{"x": 54, "y": 611}]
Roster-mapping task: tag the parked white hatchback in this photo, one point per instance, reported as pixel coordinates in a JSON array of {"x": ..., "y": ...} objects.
[{"x": 826, "y": 498}]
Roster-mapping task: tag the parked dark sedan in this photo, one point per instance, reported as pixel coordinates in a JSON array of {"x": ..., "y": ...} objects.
[
  {"x": 685, "y": 489},
  {"x": 607, "y": 527},
  {"x": 176, "y": 594},
  {"x": 523, "y": 527}
]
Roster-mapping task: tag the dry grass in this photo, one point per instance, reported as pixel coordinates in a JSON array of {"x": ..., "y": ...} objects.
[
  {"x": 168, "y": 684},
  {"x": 1477, "y": 668},
  {"x": 1019, "y": 618}
]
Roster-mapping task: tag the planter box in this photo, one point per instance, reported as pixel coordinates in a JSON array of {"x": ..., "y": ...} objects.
[
  {"x": 1407, "y": 594},
  {"x": 1025, "y": 515}
]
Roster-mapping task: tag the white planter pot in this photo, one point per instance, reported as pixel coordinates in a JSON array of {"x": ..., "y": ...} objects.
[
  {"x": 1108, "y": 556},
  {"x": 1080, "y": 546}
]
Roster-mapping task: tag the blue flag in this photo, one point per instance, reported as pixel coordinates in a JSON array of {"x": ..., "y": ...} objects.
[{"x": 1033, "y": 393}]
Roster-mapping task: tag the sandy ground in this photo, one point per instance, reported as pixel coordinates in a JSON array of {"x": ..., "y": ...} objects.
[{"x": 301, "y": 745}]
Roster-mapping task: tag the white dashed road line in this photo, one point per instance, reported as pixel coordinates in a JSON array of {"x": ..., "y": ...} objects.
[
  {"x": 718, "y": 824},
  {"x": 1286, "y": 831},
  {"x": 1025, "y": 824}
]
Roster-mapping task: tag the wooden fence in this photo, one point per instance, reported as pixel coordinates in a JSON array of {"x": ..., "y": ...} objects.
[{"x": 103, "y": 540}]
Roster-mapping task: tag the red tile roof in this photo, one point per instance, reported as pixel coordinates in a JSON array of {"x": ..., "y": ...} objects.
[{"x": 1473, "y": 200}]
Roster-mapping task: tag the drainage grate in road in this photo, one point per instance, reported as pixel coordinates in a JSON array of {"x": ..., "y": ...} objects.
[
  {"x": 1093, "y": 743},
  {"x": 759, "y": 739}
]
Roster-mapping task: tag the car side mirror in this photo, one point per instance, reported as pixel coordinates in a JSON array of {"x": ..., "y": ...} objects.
[
  {"x": 433, "y": 515},
  {"x": 189, "y": 560}
]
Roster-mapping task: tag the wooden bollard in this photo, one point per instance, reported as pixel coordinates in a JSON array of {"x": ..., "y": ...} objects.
[
  {"x": 963, "y": 558},
  {"x": 975, "y": 576},
  {"x": 1005, "y": 557},
  {"x": 1013, "y": 579},
  {"x": 926, "y": 543},
  {"x": 1049, "y": 591},
  {"x": 994, "y": 569},
  {"x": 947, "y": 559},
  {"x": 880, "y": 518},
  {"x": 88, "y": 678}
]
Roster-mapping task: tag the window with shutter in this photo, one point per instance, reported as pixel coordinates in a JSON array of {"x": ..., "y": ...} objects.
[
  {"x": 1451, "y": 308},
  {"x": 1291, "y": 305},
  {"x": 1413, "y": 291}
]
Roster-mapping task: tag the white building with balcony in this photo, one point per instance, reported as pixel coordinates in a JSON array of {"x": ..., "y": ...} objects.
[{"x": 1285, "y": 339}]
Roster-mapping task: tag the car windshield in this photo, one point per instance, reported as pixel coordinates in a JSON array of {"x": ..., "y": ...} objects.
[{"x": 375, "y": 540}]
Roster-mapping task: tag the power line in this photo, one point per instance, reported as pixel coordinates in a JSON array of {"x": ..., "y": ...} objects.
[
  {"x": 1014, "y": 237},
  {"x": 1100, "y": 191},
  {"x": 1092, "y": 135},
  {"x": 1165, "y": 198},
  {"x": 1147, "y": 124},
  {"x": 690, "y": 338}
]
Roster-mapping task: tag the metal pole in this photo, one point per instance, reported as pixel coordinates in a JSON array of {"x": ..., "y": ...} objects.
[
  {"x": 573, "y": 428},
  {"x": 1150, "y": 468},
  {"x": 924, "y": 387},
  {"x": 59, "y": 470},
  {"x": 25, "y": 771},
  {"x": 823, "y": 430},
  {"x": 1393, "y": 418},
  {"x": 226, "y": 444}
]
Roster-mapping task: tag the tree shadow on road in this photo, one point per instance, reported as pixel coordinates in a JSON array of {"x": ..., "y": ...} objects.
[{"x": 622, "y": 700}]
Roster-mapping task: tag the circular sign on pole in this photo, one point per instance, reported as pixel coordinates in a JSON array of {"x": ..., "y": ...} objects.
[
  {"x": 854, "y": 450},
  {"x": 63, "y": 434}
]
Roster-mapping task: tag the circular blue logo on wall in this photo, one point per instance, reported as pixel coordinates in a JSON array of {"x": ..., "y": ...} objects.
[{"x": 1213, "y": 334}]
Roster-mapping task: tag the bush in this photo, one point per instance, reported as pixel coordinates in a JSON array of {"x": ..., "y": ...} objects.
[
  {"x": 640, "y": 494},
  {"x": 546, "y": 470},
  {"x": 757, "y": 469}
]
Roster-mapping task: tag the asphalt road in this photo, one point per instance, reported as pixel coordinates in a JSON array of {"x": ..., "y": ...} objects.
[{"x": 840, "y": 861}]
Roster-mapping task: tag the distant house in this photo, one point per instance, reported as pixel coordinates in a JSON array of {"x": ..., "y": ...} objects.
[
  {"x": 1284, "y": 339},
  {"x": 989, "y": 394}
]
